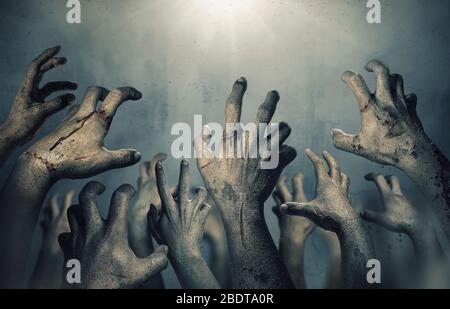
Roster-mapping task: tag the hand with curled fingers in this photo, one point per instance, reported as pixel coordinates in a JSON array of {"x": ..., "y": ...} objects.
[
  {"x": 400, "y": 216},
  {"x": 139, "y": 235},
  {"x": 294, "y": 230},
  {"x": 73, "y": 150},
  {"x": 240, "y": 186},
  {"x": 101, "y": 245},
  {"x": 391, "y": 133},
  {"x": 47, "y": 272},
  {"x": 180, "y": 225},
  {"x": 31, "y": 106},
  {"x": 331, "y": 210}
]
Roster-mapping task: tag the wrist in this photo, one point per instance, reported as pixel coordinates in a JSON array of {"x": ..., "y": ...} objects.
[
  {"x": 292, "y": 239},
  {"x": 6, "y": 136},
  {"x": 247, "y": 210}
]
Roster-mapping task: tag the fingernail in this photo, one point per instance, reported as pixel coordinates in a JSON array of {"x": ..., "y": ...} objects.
[{"x": 137, "y": 156}]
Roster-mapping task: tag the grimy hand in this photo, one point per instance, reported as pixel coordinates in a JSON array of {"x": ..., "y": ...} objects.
[
  {"x": 397, "y": 215},
  {"x": 294, "y": 230},
  {"x": 237, "y": 180},
  {"x": 331, "y": 210},
  {"x": 101, "y": 245},
  {"x": 75, "y": 149},
  {"x": 31, "y": 106},
  {"x": 400, "y": 216},
  {"x": 139, "y": 235},
  {"x": 180, "y": 225},
  {"x": 48, "y": 271},
  {"x": 239, "y": 187},
  {"x": 391, "y": 133}
]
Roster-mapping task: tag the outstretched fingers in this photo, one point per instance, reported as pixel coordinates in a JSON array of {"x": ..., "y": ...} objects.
[
  {"x": 184, "y": 183},
  {"x": 115, "y": 98},
  {"x": 267, "y": 109},
  {"x": 283, "y": 190},
  {"x": 299, "y": 192},
  {"x": 319, "y": 165},
  {"x": 118, "y": 211},
  {"x": 89, "y": 104},
  {"x": 43, "y": 61},
  {"x": 233, "y": 107},
  {"x": 359, "y": 88},
  {"x": 92, "y": 220},
  {"x": 334, "y": 170},
  {"x": 380, "y": 182},
  {"x": 382, "y": 75},
  {"x": 168, "y": 203}
]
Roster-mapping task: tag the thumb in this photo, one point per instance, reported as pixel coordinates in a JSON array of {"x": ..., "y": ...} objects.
[
  {"x": 122, "y": 158},
  {"x": 371, "y": 216},
  {"x": 344, "y": 141},
  {"x": 299, "y": 209},
  {"x": 156, "y": 262}
]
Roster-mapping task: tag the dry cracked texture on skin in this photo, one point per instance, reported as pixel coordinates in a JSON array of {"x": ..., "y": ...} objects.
[
  {"x": 391, "y": 133},
  {"x": 73, "y": 150},
  {"x": 331, "y": 210},
  {"x": 31, "y": 106},
  {"x": 147, "y": 193},
  {"x": 101, "y": 245},
  {"x": 239, "y": 188},
  {"x": 179, "y": 223}
]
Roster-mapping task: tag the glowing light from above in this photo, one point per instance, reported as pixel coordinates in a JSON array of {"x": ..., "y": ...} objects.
[{"x": 219, "y": 8}]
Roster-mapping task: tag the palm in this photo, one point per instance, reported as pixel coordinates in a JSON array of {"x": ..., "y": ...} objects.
[{"x": 389, "y": 123}]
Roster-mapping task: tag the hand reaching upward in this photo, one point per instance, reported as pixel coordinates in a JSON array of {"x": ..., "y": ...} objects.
[
  {"x": 32, "y": 106},
  {"x": 101, "y": 245}
]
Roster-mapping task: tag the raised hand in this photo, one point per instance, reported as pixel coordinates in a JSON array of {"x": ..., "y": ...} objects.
[
  {"x": 47, "y": 272},
  {"x": 331, "y": 210},
  {"x": 73, "y": 150},
  {"x": 293, "y": 230},
  {"x": 400, "y": 216},
  {"x": 101, "y": 245},
  {"x": 180, "y": 224},
  {"x": 31, "y": 106},
  {"x": 392, "y": 133},
  {"x": 239, "y": 187},
  {"x": 139, "y": 235}
]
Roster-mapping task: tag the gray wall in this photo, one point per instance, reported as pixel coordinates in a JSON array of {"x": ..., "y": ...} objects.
[{"x": 185, "y": 58}]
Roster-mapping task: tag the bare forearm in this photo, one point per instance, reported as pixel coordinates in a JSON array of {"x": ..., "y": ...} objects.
[
  {"x": 426, "y": 245},
  {"x": 292, "y": 254},
  {"x": 356, "y": 251},
  {"x": 21, "y": 199},
  {"x": 255, "y": 258},
  {"x": 193, "y": 271},
  {"x": 430, "y": 170},
  {"x": 6, "y": 142}
]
